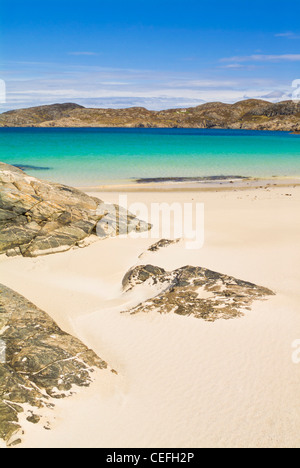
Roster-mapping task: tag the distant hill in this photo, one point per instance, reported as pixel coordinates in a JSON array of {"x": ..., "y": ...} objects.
[{"x": 251, "y": 114}]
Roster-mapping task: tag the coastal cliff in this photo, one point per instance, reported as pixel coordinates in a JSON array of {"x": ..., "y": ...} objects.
[{"x": 250, "y": 114}]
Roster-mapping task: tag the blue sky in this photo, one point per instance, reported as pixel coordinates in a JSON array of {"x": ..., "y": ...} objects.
[{"x": 157, "y": 54}]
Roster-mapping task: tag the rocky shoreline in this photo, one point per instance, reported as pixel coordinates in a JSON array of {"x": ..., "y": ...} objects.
[
  {"x": 39, "y": 362},
  {"x": 41, "y": 218}
]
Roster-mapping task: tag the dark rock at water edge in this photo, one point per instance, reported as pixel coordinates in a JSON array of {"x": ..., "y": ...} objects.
[
  {"x": 40, "y": 218},
  {"x": 155, "y": 180},
  {"x": 27, "y": 167}
]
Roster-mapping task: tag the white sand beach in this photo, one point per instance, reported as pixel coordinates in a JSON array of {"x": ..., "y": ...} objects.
[{"x": 181, "y": 382}]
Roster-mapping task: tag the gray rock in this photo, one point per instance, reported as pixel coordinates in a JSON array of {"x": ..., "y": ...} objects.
[
  {"x": 40, "y": 218},
  {"x": 163, "y": 243},
  {"x": 39, "y": 362},
  {"x": 195, "y": 291}
]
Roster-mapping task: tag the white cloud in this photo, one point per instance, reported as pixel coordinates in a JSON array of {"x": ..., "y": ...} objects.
[
  {"x": 277, "y": 95},
  {"x": 83, "y": 53},
  {"x": 202, "y": 83},
  {"x": 263, "y": 58},
  {"x": 288, "y": 35},
  {"x": 94, "y": 86},
  {"x": 234, "y": 66},
  {"x": 2, "y": 91}
]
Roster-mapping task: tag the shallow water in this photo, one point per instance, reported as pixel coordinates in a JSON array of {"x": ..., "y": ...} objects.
[{"x": 95, "y": 156}]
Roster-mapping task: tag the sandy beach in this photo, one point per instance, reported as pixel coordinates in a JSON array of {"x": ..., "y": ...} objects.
[
  {"x": 149, "y": 227},
  {"x": 181, "y": 381}
]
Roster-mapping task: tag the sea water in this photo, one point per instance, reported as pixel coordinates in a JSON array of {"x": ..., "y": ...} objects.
[{"x": 91, "y": 157}]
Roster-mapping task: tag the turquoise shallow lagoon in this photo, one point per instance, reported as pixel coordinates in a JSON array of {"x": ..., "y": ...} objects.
[{"x": 84, "y": 157}]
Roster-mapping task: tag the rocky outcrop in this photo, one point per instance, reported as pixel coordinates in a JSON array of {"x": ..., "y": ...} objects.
[
  {"x": 249, "y": 114},
  {"x": 39, "y": 218},
  {"x": 195, "y": 291},
  {"x": 38, "y": 362},
  {"x": 162, "y": 244}
]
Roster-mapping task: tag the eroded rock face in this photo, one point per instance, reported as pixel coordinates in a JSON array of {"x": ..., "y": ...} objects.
[
  {"x": 194, "y": 291},
  {"x": 39, "y": 362},
  {"x": 39, "y": 218}
]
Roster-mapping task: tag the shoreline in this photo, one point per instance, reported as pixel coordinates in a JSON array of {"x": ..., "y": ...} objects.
[
  {"x": 220, "y": 384},
  {"x": 219, "y": 185},
  {"x": 122, "y": 127},
  {"x": 227, "y": 383}
]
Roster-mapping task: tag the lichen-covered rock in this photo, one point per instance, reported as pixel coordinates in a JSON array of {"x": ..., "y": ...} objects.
[
  {"x": 39, "y": 362},
  {"x": 40, "y": 218},
  {"x": 194, "y": 291}
]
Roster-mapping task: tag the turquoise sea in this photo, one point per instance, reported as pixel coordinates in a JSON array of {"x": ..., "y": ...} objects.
[{"x": 84, "y": 157}]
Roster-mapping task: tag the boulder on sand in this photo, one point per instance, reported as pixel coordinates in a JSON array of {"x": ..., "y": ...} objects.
[{"x": 40, "y": 218}]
